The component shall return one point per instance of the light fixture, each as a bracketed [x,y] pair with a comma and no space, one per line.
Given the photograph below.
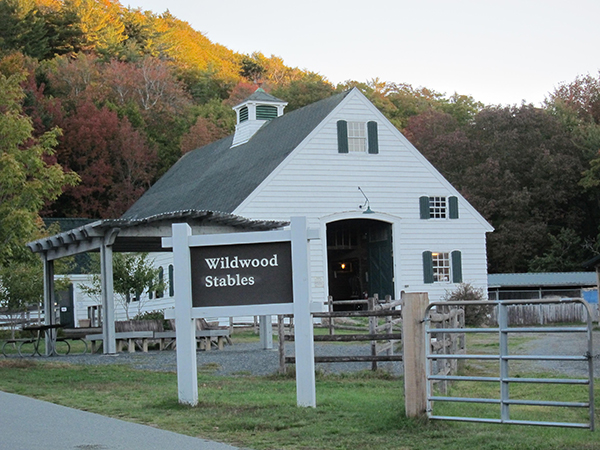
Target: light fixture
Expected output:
[368,210]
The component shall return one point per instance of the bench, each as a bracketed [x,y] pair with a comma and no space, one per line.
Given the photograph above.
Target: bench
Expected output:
[124,337]
[205,339]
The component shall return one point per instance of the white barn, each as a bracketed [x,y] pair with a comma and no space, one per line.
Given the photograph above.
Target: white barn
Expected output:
[389,221]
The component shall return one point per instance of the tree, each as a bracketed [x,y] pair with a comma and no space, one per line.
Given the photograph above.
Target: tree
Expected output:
[133,275]
[520,167]
[21,287]
[27,181]
[203,132]
[252,69]
[115,163]
[302,92]
[22,28]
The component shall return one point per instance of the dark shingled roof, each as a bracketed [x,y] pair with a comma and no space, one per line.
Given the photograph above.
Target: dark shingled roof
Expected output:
[218,178]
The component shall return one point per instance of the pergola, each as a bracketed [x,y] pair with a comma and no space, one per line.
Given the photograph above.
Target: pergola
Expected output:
[127,235]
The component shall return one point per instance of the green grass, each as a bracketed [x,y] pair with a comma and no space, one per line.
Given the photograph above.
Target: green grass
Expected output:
[361,411]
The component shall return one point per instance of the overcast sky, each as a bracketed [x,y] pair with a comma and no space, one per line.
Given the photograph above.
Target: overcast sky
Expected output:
[500,51]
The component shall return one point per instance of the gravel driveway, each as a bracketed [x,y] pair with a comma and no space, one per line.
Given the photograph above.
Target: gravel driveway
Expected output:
[250,359]
[236,359]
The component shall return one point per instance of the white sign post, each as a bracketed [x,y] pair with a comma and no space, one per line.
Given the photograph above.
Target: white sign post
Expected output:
[238,266]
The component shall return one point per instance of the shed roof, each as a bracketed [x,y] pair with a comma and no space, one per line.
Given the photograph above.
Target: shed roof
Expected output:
[217,177]
[142,235]
[551,279]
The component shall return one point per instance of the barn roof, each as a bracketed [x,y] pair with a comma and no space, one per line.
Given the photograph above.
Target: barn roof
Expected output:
[217,177]
[550,279]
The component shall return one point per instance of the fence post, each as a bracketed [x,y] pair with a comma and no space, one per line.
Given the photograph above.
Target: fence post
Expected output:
[281,337]
[413,343]
[330,309]
[373,322]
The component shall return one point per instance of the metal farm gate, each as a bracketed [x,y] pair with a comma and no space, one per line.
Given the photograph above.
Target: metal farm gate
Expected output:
[503,358]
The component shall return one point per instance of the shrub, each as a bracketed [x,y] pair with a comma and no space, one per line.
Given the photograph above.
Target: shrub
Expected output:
[475,315]
[154,315]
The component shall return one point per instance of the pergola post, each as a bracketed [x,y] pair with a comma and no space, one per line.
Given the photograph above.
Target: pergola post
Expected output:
[265,329]
[108,299]
[48,301]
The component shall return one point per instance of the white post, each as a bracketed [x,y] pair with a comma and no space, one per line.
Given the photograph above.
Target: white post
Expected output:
[303,330]
[266,332]
[48,301]
[108,301]
[185,333]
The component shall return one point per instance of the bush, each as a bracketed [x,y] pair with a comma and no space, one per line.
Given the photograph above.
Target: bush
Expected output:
[475,315]
[154,315]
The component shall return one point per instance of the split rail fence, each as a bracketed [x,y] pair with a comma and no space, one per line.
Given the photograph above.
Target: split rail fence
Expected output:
[384,331]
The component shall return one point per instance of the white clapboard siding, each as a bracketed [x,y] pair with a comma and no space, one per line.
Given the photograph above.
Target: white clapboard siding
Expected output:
[318,182]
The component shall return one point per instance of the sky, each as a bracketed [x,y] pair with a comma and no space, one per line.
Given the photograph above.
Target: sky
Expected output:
[498,51]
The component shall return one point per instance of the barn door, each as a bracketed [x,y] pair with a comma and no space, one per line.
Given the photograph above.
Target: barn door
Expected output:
[381,260]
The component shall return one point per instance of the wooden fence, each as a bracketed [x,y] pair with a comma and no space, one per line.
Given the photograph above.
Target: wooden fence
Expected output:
[383,331]
[382,337]
[447,344]
[542,314]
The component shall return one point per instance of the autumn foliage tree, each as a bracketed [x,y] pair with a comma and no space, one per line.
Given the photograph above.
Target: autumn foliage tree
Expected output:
[113,160]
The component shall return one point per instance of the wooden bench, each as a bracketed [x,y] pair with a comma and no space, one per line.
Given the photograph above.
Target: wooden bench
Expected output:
[205,339]
[126,337]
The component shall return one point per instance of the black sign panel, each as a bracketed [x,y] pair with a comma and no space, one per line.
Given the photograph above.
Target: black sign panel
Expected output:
[245,274]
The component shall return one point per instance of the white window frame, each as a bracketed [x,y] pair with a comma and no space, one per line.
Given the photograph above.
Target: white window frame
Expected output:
[357,137]
[442,267]
[438,207]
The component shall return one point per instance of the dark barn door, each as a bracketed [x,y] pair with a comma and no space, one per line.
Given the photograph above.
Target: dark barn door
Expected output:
[360,259]
[381,260]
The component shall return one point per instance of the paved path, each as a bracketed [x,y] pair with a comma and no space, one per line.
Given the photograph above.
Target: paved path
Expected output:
[27,424]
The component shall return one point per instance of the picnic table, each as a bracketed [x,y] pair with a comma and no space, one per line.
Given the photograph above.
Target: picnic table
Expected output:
[37,332]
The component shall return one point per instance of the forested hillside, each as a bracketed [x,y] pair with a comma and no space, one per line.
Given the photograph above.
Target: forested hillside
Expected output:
[126,92]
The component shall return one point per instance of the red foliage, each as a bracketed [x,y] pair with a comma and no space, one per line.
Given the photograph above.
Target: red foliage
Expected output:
[113,160]
[202,133]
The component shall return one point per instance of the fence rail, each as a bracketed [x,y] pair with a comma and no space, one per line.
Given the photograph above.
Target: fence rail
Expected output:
[381,336]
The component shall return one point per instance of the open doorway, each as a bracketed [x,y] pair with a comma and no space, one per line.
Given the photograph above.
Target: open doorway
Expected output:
[360,259]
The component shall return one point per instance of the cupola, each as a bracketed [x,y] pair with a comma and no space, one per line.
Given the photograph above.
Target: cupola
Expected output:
[253,113]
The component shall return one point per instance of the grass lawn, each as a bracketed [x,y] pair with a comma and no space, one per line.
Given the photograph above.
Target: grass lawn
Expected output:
[361,411]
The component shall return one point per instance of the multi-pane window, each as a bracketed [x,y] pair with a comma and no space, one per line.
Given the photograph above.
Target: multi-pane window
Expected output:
[437,207]
[441,267]
[357,137]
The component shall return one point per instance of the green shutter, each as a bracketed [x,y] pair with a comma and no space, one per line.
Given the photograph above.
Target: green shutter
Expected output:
[456,267]
[171,285]
[161,278]
[373,137]
[427,268]
[342,132]
[453,204]
[424,207]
